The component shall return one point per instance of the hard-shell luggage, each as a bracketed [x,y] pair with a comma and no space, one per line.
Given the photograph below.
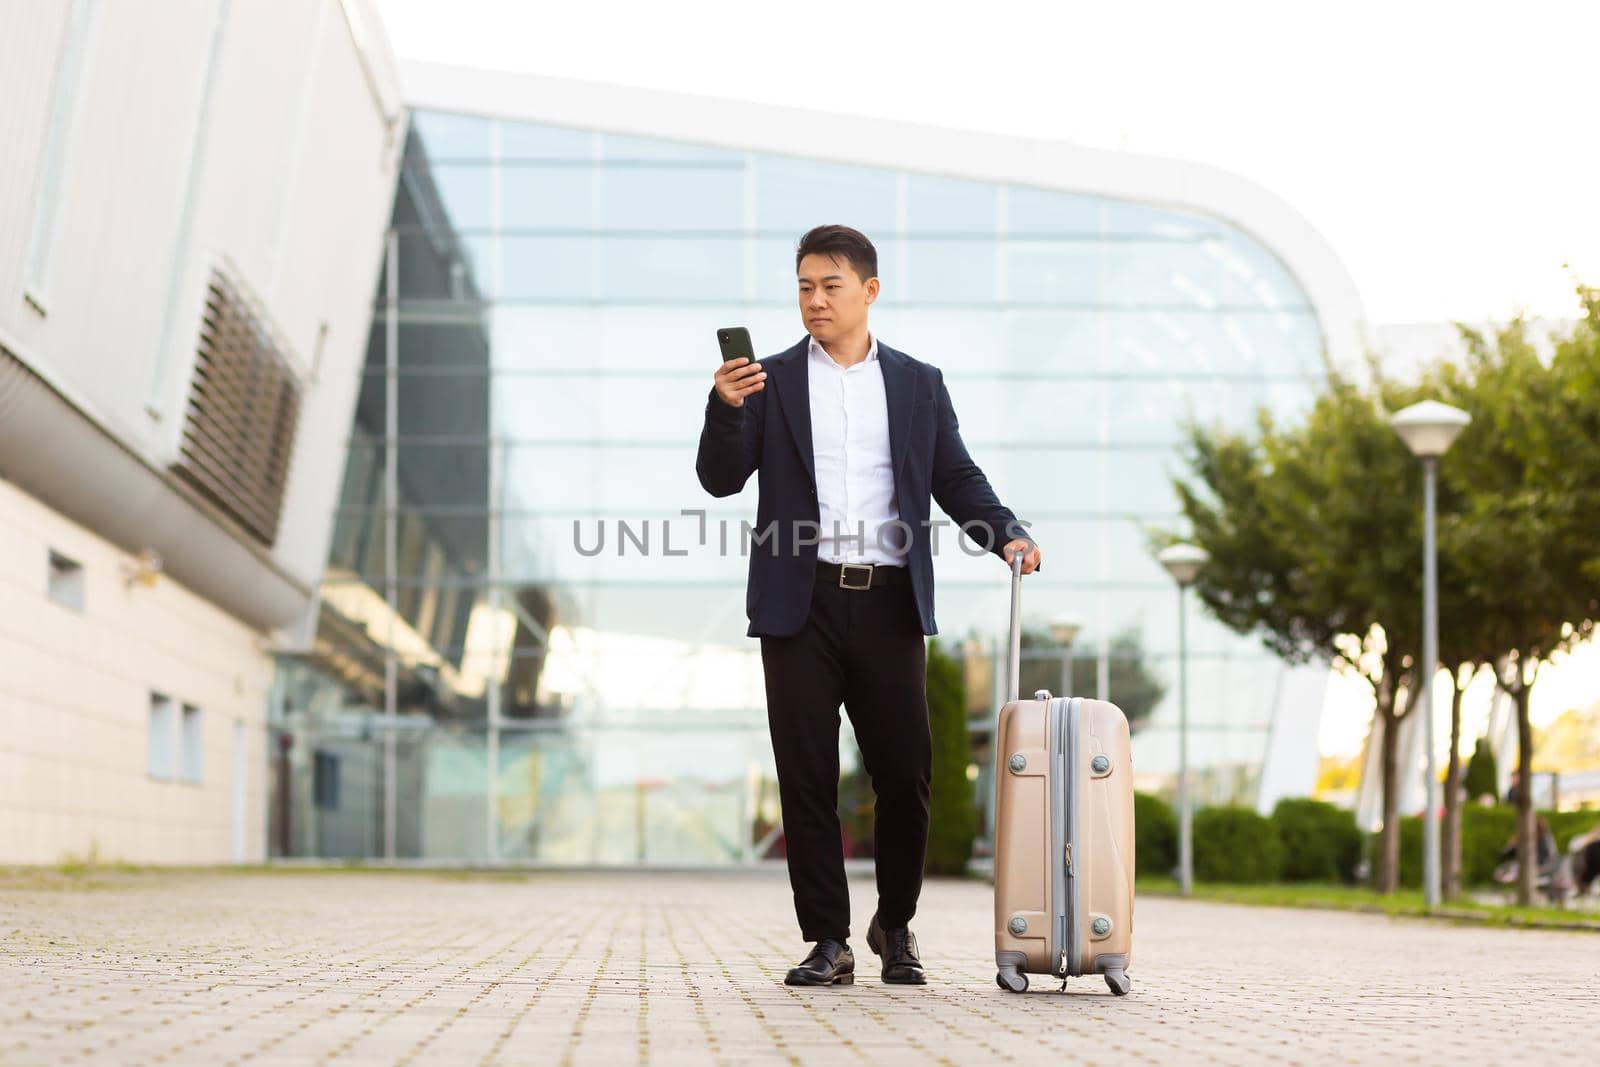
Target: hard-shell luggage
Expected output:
[1063,833]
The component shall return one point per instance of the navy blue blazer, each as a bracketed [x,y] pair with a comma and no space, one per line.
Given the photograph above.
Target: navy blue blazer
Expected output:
[771,434]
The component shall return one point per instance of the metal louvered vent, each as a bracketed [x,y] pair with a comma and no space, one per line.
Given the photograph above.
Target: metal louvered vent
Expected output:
[242,413]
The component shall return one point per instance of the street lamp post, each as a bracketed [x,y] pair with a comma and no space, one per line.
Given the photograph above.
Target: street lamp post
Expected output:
[1065,632]
[1429,429]
[1183,562]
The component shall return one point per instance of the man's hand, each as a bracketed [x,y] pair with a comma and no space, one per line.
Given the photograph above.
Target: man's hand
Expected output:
[1030,561]
[737,379]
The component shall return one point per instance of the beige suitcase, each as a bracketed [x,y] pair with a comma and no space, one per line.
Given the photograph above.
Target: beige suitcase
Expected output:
[1063,851]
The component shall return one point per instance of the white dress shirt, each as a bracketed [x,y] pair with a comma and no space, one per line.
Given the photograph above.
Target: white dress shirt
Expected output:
[850,445]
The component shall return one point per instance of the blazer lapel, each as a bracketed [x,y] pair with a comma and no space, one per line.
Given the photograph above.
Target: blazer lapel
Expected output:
[789,375]
[898,383]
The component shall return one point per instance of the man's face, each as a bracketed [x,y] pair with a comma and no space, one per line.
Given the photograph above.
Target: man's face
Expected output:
[833,298]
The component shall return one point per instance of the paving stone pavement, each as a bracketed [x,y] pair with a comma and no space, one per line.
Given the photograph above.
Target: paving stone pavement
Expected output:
[375,967]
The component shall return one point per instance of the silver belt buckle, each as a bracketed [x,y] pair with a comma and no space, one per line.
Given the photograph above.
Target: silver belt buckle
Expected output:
[845,568]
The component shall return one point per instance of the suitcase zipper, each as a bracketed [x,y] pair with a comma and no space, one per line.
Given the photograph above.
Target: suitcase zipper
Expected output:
[1066,903]
[1070,784]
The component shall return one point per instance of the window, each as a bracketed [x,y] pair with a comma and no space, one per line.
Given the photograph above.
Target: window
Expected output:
[325,780]
[163,738]
[190,749]
[66,581]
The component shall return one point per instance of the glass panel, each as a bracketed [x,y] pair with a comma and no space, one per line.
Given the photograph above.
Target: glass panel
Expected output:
[673,198]
[963,342]
[524,141]
[775,268]
[1059,342]
[661,269]
[1023,409]
[448,136]
[439,264]
[623,339]
[1031,212]
[546,268]
[628,476]
[951,271]
[949,205]
[466,190]
[620,147]
[444,475]
[1053,272]
[1268,280]
[640,404]
[1157,409]
[793,195]
[1140,482]
[546,197]
[633,796]
[456,341]
[1131,218]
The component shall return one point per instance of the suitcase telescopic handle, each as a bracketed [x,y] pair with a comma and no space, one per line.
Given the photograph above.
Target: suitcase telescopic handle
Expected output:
[1014,646]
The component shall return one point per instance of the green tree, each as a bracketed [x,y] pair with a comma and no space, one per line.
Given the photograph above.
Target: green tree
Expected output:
[1525,476]
[953,814]
[1314,533]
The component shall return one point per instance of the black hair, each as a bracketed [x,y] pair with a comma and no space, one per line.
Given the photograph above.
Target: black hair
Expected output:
[840,242]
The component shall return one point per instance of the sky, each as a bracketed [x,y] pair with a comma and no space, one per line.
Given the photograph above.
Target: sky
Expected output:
[1445,151]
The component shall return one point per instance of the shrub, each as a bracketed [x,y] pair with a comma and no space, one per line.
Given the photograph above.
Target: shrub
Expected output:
[1235,845]
[953,812]
[1569,824]
[1155,835]
[1321,842]
[1484,833]
[1482,775]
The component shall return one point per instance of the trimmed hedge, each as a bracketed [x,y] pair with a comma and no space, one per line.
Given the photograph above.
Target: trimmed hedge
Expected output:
[1155,835]
[1321,842]
[953,809]
[1484,833]
[1235,845]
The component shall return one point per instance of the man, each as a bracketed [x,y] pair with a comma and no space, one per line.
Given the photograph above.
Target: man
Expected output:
[849,438]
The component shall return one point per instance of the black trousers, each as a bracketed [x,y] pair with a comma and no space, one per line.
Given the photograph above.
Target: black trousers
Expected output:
[862,649]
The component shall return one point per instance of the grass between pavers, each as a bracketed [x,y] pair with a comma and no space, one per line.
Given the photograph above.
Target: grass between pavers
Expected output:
[1406,902]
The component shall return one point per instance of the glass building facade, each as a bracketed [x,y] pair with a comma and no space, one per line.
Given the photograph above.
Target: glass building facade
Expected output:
[531,640]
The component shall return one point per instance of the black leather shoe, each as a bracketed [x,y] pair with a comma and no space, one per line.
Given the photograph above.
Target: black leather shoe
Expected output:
[898,949]
[830,963]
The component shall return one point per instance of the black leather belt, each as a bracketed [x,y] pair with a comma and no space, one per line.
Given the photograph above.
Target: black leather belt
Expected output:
[861,575]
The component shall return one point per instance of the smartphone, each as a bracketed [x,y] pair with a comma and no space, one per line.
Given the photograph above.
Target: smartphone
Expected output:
[734,342]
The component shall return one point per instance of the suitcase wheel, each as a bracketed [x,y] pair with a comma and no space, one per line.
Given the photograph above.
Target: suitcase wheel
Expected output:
[1012,981]
[1119,982]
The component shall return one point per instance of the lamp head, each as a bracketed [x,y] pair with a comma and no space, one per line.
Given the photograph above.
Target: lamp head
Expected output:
[1429,428]
[1183,561]
[1065,631]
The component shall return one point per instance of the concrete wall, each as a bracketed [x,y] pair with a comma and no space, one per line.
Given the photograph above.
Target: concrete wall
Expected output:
[75,690]
[264,136]
[146,143]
